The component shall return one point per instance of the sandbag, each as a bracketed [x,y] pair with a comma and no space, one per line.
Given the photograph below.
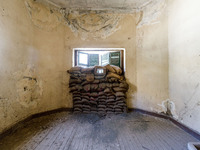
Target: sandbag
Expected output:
[94,94]
[118,89]
[114,75]
[74,70]
[74,81]
[90,77]
[107,90]
[115,84]
[110,68]
[87,70]
[94,87]
[86,87]
[96,81]
[101,93]
[93,99]
[109,85]
[102,86]
[86,97]
[124,85]
[117,69]
[119,94]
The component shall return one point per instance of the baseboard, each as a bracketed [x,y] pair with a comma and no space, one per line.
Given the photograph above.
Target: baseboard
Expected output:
[180,125]
[16,126]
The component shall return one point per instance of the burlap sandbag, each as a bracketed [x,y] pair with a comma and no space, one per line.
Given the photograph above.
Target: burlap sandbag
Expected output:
[77,109]
[85,94]
[94,98]
[102,96]
[87,70]
[94,87]
[109,85]
[85,97]
[74,70]
[107,90]
[118,89]
[101,93]
[94,94]
[110,68]
[115,84]
[90,77]
[114,75]
[121,99]
[96,81]
[93,102]
[73,88]
[123,84]
[119,94]
[117,69]
[76,81]
[102,86]
[86,87]
[111,97]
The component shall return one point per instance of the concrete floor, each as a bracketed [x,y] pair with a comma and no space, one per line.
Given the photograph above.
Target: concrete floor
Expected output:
[66,131]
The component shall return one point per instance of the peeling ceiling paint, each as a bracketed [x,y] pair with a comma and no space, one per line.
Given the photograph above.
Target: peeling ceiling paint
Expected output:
[126,5]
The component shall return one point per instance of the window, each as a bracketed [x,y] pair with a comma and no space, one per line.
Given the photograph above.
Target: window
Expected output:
[88,57]
[83,59]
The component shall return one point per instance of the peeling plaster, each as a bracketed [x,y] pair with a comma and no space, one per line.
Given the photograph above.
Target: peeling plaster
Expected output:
[29,87]
[42,16]
[96,24]
[83,23]
[149,13]
[169,108]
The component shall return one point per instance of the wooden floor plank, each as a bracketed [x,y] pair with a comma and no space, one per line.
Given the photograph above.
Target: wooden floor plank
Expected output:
[64,131]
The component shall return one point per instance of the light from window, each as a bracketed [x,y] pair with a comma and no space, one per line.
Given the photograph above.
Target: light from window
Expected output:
[83,58]
[100,71]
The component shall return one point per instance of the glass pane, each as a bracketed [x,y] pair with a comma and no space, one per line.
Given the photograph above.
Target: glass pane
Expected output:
[93,60]
[83,58]
[105,59]
[115,58]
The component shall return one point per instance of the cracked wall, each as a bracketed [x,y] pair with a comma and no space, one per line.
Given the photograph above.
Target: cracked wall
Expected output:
[31,66]
[184,60]
[35,52]
[37,47]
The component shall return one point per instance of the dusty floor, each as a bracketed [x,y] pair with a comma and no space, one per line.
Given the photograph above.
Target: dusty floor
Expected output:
[66,131]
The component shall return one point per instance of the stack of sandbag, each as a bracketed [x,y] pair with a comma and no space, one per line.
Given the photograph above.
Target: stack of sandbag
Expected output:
[94,92]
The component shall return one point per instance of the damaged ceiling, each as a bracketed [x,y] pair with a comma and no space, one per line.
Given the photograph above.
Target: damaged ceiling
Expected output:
[128,5]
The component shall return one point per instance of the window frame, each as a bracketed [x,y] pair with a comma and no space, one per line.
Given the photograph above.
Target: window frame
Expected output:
[121,50]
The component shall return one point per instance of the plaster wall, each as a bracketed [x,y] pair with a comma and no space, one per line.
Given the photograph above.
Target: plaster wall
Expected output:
[152,57]
[36,50]
[184,60]
[31,65]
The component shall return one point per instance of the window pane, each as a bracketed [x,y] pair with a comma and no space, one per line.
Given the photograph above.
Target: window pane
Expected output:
[93,60]
[83,58]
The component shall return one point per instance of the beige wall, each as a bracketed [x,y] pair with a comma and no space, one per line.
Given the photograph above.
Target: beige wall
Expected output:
[31,65]
[152,58]
[37,46]
[36,51]
[184,60]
